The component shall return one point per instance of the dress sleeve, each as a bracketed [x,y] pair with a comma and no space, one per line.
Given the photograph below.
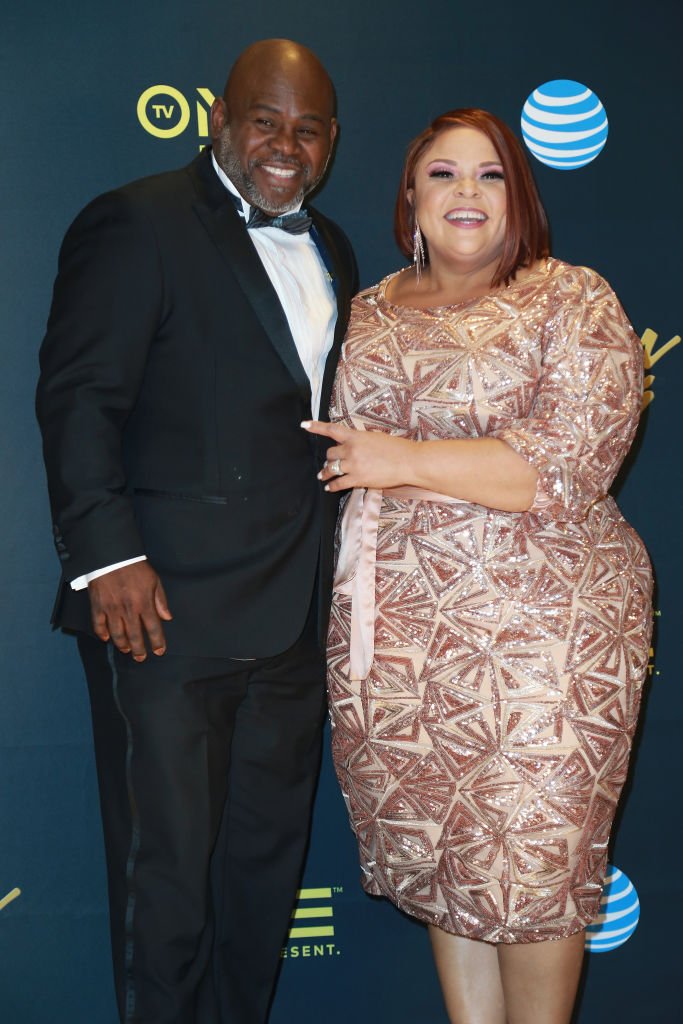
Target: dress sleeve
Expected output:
[586,409]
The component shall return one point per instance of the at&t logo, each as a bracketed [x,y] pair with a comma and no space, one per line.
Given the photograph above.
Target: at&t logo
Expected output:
[564,124]
[165,112]
[619,914]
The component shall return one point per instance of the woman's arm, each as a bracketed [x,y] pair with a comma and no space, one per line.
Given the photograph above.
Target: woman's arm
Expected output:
[482,470]
[556,461]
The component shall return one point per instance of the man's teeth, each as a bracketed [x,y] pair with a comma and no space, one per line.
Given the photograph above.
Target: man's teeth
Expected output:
[466,215]
[280,172]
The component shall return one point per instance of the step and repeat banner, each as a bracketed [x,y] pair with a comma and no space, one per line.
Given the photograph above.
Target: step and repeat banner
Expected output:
[96,94]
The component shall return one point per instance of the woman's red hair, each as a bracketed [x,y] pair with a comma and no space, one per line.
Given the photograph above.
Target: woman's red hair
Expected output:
[526,232]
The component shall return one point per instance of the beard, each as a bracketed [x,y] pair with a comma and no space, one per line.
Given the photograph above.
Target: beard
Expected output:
[244,182]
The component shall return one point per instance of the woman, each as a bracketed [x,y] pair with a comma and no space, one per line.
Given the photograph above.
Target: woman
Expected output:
[491,625]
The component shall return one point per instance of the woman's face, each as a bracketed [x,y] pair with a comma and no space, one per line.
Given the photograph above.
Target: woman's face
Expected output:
[460,199]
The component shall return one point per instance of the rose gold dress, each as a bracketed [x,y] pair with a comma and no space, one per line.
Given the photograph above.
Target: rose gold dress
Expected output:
[482,757]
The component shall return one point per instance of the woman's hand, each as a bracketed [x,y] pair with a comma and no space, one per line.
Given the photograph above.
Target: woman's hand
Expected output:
[363,458]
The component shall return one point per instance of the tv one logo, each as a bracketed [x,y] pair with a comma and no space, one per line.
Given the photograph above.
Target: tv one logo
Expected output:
[165,112]
[619,914]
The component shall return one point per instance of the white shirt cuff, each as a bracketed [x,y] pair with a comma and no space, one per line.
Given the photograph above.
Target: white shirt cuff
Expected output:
[81,582]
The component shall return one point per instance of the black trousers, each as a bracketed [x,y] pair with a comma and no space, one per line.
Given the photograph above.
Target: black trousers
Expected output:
[207,770]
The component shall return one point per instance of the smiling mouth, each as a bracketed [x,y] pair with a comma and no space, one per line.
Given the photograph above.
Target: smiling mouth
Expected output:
[467,218]
[278,171]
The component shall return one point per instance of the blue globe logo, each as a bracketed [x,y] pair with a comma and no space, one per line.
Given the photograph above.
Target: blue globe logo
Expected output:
[564,124]
[619,913]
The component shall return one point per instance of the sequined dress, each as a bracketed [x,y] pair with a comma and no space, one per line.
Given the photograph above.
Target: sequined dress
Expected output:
[482,757]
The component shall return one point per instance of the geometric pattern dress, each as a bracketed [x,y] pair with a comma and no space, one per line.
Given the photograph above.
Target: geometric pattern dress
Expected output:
[482,750]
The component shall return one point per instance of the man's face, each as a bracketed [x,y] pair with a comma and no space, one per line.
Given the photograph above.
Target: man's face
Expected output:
[275,139]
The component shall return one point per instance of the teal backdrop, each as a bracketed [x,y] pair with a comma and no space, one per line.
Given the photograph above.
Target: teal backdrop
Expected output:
[74,125]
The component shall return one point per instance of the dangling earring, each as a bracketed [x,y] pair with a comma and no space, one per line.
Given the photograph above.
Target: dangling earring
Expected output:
[418,251]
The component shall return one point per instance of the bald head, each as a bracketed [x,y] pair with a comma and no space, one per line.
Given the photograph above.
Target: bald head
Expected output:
[274,126]
[282,59]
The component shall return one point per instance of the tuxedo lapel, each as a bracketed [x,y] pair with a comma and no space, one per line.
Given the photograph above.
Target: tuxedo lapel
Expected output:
[228,232]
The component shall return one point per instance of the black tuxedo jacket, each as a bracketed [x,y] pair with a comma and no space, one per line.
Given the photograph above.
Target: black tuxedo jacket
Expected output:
[170,399]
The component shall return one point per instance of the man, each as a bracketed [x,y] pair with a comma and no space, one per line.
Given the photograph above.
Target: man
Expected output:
[183,350]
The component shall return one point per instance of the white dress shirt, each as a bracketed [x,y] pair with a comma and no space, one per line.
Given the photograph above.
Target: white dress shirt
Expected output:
[304,288]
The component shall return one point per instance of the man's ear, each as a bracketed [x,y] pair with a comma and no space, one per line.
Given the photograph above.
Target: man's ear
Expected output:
[219,116]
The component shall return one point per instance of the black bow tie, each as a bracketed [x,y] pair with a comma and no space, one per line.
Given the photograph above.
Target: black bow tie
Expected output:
[297,223]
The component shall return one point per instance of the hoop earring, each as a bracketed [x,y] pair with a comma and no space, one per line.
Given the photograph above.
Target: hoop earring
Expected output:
[418,252]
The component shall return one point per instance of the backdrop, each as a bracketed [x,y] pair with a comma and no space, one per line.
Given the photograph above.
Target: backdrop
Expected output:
[95,94]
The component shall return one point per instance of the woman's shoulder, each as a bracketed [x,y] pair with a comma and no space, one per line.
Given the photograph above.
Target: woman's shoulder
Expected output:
[582,279]
[581,292]
[375,292]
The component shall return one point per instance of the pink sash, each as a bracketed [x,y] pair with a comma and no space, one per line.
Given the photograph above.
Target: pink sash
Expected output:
[355,575]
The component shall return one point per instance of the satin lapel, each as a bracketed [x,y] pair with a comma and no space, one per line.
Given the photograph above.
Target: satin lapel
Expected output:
[227,230]
[341,286]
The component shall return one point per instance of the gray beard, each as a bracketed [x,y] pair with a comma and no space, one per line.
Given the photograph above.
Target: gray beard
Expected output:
[244,182]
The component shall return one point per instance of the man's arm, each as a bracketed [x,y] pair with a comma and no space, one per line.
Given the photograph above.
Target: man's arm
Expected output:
[106,307]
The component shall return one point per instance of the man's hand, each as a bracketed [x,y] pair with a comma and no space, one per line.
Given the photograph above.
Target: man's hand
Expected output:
[128,603]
